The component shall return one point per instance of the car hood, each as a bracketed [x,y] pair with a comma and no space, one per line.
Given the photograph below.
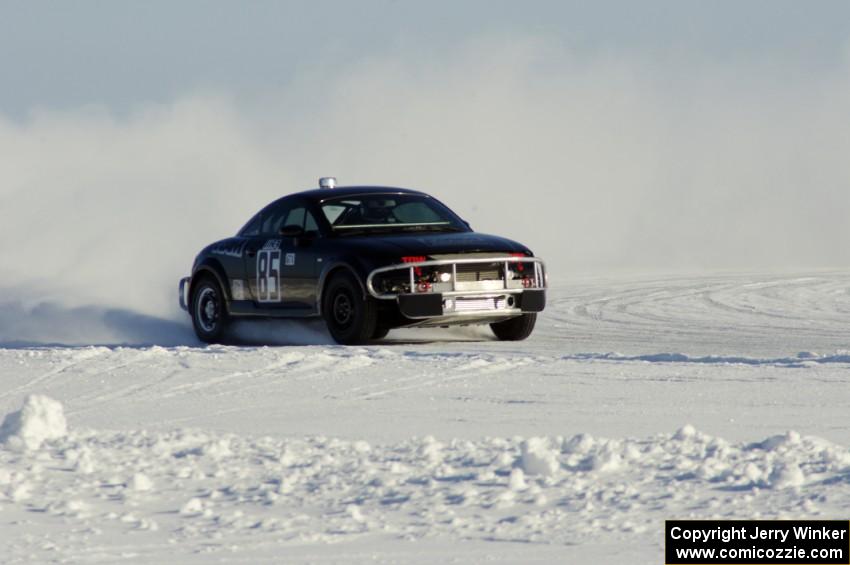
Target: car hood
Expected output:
[399,245]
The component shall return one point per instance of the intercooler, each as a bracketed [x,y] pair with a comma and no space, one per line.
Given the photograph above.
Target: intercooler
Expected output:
[479,304]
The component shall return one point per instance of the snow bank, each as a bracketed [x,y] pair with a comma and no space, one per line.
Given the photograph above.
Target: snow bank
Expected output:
[40,419]
[202,486]
[538,458]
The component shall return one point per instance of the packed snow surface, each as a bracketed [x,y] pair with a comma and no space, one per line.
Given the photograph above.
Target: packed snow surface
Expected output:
[635,401]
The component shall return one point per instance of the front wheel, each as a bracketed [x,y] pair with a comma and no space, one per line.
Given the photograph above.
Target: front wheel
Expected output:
[515,329]
[209,313]
[351,318]
[380,332]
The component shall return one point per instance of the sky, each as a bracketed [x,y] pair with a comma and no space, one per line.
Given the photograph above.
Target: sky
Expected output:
[121,54]
[640,137]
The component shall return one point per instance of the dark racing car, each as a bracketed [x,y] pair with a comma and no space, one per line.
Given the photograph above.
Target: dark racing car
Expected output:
[367,260]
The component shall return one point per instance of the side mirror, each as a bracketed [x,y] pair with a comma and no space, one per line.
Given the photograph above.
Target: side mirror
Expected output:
[292,230]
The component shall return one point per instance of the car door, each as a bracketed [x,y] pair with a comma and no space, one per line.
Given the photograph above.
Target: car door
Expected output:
[299,269]
[264,256]
[281,269]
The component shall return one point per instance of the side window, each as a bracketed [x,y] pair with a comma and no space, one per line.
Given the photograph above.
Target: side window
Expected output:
[252,228]
[310,224]
[283,215]
[295,217]
[273,220]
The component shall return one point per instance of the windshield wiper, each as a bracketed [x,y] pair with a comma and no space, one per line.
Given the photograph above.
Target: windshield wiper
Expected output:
[433,228]
[390,228]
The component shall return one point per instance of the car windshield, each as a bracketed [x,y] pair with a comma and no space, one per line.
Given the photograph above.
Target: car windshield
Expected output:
[368,213]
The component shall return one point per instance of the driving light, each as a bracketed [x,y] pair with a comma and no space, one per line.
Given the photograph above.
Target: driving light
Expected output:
[519,266]
[445,277]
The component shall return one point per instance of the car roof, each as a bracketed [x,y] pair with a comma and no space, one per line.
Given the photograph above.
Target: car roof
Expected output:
[342,191]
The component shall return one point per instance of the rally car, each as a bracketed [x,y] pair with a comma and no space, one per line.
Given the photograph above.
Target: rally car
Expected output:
[366,259]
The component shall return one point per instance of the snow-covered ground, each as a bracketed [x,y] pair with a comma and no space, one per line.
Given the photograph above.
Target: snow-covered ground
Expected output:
[636,400]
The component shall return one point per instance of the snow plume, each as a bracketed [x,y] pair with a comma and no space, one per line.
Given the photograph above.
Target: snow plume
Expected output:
[116,208]
[280,332]
[617,162]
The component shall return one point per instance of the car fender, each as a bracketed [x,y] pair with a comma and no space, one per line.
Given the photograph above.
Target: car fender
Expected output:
[334,266]
[212,267]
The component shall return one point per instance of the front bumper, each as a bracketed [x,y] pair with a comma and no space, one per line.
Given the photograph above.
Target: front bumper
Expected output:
[182,297]
[467,302]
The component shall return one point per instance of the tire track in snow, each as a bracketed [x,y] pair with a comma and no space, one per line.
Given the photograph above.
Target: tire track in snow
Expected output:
[143,355]
[94,402]
[44,378]
[281,366]
[475,366]
[237,376]
[312,369]
[134,390]
[725,312]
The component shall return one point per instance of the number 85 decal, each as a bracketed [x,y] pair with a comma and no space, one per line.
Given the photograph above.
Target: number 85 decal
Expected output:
[268,276]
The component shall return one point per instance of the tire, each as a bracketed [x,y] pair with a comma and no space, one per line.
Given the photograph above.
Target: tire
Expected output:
[351,319]
[380,332]
[209,312]
[515,329]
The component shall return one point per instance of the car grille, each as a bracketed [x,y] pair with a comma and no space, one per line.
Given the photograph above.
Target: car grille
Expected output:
[479,272]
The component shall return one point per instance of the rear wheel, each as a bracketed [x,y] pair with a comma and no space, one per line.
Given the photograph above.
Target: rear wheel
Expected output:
[515,329]
[209,313]
[351,319]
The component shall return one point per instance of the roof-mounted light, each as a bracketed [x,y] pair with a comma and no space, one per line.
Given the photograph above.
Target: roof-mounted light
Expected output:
[327,182]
